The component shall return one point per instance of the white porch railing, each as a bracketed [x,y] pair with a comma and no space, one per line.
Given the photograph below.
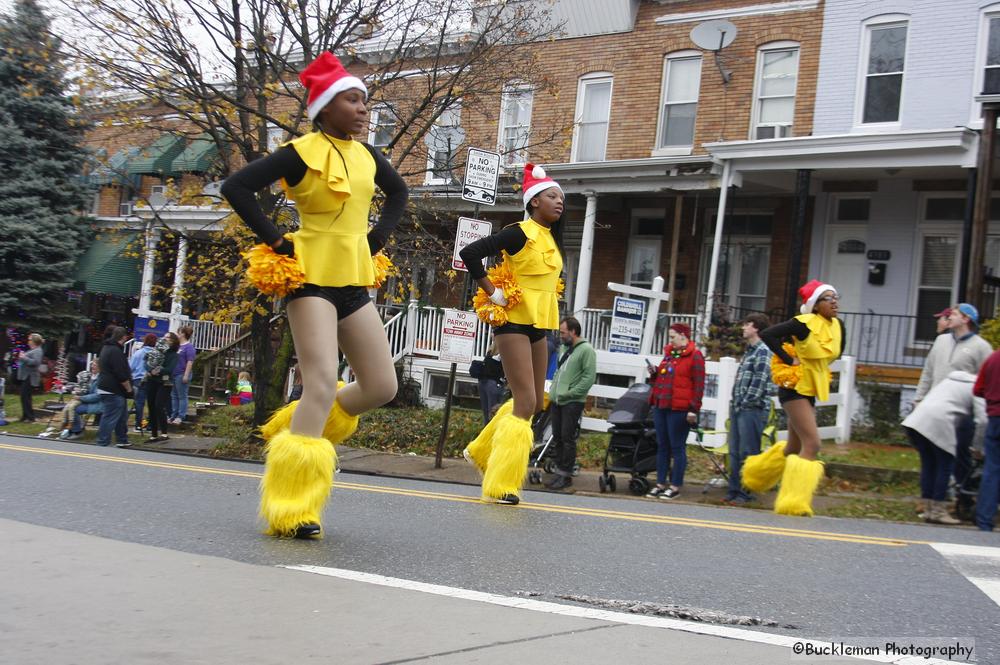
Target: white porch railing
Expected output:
[596,324]
[209,336]
[417,331]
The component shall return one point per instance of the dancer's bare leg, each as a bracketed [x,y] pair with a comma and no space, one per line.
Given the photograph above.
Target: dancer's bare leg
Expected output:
[517,357]
[540,365]
[803,435]
[364,342]
[314,330]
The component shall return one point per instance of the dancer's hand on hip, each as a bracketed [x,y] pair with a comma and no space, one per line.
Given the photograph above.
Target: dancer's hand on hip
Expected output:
[498,297]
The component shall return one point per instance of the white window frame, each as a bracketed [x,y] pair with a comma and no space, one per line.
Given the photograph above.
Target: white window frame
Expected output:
[674,150]
[456,108]
[375,117]
[517,157]
[585,81]
[876,23]
[758,84]
[979,74]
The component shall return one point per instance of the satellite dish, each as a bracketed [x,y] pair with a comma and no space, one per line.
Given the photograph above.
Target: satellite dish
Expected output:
[713,35]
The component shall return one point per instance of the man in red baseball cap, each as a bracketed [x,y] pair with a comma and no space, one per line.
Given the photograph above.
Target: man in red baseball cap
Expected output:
[942,320]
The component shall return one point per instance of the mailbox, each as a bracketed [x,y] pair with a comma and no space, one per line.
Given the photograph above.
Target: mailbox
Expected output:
[876,274]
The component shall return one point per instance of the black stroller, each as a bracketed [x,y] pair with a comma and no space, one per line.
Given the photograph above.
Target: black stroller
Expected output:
[540,458]
[632,447]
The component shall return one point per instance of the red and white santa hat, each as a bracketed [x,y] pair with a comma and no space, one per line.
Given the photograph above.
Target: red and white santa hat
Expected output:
[536,181]
[325,78]
[810,293]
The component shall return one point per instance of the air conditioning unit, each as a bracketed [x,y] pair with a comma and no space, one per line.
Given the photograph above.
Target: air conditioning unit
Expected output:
[158,189]
[213,189]
[773,131]
[125,209]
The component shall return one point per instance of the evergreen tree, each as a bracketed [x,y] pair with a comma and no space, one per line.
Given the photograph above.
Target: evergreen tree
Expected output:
[42,233]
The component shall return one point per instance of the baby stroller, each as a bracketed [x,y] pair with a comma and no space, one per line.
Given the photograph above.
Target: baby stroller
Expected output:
[967,491]
[540,458]
[632,446]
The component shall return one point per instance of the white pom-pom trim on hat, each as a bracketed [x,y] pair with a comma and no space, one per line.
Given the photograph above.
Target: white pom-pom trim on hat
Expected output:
[538,173]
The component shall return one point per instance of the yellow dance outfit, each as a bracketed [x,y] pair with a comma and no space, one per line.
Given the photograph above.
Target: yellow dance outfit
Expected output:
[817,341]
[502,448]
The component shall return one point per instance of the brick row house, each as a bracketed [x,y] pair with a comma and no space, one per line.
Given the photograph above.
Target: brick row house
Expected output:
[839,140]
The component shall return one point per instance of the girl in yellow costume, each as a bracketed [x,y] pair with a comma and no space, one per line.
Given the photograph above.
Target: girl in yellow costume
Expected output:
[534,258]
[818,338]
[332,180]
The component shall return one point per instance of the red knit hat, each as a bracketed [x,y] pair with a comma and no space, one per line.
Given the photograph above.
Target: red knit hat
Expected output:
[536,181]
[682,328]
[325,78]
[810,293]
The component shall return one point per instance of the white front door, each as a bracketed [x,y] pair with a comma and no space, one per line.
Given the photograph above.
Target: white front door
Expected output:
[845,264]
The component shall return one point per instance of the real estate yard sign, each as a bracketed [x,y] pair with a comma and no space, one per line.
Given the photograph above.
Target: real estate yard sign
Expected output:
[626,325]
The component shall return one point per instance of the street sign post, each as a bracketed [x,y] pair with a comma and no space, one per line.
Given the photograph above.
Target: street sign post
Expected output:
[469,231]
[626,325]
[482,172]
[458,345]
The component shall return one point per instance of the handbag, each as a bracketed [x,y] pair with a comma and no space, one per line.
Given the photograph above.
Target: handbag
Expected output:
[476,368]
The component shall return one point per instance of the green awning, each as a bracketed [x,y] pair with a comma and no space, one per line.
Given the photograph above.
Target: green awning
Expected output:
[157,157]
[197,157]
[115,170]
[103,268]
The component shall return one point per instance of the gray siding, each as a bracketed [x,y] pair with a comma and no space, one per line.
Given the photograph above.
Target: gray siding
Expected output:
[940,62]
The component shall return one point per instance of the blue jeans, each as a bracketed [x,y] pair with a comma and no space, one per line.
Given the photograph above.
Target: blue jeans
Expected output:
[114,417]
[140,400]
[179,399]
[745,431]
[77,425]
[489,397]
[671,445]
[936,466]
[989,488]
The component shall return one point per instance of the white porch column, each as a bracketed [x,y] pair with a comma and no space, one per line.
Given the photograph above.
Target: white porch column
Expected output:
[713,272]
[148,266]
[586,255]
[176,303]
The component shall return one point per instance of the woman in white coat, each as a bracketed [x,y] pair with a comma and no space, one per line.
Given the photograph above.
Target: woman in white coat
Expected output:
[931,428]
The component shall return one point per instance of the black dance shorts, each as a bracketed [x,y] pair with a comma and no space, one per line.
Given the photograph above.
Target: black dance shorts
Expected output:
[346,299]
[789,394]
[534,334]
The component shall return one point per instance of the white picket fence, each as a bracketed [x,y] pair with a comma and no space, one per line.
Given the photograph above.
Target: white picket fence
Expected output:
[416,331]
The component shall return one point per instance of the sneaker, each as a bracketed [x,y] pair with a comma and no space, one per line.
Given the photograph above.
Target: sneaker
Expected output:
[123,445]
[64,434]
[559,483]
[137,429]
[308,531]
[656,491]
[669,493]
[508,500]
[73,436]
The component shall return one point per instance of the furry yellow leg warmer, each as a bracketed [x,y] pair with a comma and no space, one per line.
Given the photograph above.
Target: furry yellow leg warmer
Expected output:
[478,452]
[798,483]
[508,461]
[298,475]
[762,472]
[339,424]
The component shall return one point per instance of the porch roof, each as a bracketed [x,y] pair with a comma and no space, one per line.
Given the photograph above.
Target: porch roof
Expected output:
[645,175]
[955,146]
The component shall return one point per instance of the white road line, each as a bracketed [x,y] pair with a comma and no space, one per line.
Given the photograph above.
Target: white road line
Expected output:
[596,614]
[979,565]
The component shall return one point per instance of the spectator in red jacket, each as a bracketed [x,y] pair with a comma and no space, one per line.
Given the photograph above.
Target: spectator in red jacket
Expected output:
[987,386]
[678,388]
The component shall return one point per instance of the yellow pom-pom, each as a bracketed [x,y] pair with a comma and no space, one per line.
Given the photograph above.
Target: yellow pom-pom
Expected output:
[785,376]
[274,274]
[503,278]
[383,269]
[488,311]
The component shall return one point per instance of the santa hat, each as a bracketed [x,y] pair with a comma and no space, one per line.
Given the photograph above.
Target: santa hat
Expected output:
[325,78]
[810,293]
[536,182]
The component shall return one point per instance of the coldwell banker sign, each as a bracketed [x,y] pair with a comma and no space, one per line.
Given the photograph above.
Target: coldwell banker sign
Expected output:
[626,325]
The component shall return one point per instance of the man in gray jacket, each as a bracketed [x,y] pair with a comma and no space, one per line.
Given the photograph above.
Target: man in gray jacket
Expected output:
[959,349]
[575,374]
[29,374]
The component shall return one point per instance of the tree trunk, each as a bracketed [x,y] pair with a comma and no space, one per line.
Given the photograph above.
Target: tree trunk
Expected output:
[272,354]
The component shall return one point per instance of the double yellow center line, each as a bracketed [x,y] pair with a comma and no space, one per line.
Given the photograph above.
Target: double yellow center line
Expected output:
[544,507]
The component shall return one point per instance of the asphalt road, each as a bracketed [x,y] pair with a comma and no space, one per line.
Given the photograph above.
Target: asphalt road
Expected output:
[818,578]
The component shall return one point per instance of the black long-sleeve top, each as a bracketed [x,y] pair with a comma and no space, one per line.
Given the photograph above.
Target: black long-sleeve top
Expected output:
[510,239]
[114,369]
[776,335]
[241,188]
